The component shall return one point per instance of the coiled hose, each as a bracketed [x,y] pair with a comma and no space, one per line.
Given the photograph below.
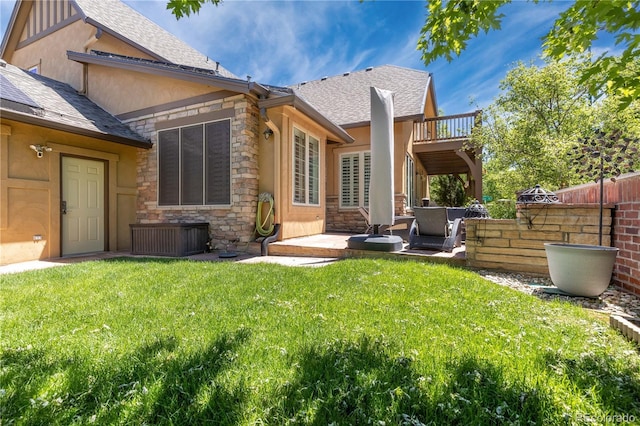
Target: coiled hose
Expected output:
[265,197]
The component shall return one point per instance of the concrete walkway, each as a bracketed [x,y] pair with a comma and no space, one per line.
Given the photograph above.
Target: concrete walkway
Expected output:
[312,251]
[205,257]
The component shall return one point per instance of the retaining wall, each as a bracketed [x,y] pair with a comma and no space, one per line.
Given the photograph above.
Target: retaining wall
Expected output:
[518,245]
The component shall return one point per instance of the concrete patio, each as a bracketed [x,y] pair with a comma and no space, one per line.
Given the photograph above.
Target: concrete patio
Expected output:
[315,250]
[334,245]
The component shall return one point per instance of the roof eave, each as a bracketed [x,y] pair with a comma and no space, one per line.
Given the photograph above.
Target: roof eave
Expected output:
[120,37]
[9,30]
[430,86]
[411,117]
[37,121]
[238,86]
[307,109]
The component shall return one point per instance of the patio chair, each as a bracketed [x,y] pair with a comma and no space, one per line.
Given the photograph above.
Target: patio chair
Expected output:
[455,212]
[458,212]
[432,230]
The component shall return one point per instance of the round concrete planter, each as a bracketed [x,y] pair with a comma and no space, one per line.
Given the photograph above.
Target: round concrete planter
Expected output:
[581,270]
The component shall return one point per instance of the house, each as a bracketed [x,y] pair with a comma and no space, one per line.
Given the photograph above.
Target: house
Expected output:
[174,137]
[57,145]
[344,99]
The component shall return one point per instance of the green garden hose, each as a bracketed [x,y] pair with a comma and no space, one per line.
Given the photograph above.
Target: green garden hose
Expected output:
[265,197]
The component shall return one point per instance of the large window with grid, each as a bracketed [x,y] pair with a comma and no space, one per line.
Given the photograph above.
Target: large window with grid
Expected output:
[306,168]
[194,165]
[355,175]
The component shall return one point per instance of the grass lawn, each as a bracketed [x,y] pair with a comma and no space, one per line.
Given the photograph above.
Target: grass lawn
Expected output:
[131,341]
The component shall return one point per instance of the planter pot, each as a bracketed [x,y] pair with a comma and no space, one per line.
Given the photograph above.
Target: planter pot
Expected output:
[581,270]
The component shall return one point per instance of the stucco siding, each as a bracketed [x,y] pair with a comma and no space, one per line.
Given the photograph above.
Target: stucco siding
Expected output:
[300,220]
[121,91]
[50,54]
[30,190]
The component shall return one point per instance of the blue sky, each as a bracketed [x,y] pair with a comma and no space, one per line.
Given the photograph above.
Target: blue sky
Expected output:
[287,42]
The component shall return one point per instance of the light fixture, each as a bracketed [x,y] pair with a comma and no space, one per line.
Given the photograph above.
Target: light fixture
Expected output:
[267,134]
[40,149]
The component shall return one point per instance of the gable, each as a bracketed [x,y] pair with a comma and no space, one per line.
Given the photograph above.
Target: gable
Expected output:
[109,24]
[46,17]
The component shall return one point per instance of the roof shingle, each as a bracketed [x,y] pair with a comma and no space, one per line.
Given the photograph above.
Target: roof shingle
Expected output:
[126,22]
[59,103]
[345,99]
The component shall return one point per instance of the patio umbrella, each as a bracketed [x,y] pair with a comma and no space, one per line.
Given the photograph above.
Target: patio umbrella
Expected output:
[381,203]
[381,184]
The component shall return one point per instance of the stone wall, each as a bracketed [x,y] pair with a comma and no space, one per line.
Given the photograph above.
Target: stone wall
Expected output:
[625,194]
[350,220]
[518,245]
[227,223]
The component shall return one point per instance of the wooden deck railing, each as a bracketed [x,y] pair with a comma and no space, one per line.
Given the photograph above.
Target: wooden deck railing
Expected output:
[446,128]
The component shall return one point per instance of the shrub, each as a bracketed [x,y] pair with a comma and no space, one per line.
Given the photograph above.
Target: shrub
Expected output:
[502,209]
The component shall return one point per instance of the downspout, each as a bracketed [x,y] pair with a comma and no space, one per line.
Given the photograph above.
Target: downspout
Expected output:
[276,180]
[85,67]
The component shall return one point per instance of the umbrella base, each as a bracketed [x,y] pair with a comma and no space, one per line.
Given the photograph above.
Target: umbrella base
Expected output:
[375,242]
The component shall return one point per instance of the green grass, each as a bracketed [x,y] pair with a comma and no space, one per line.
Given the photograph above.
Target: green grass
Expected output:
[133,341]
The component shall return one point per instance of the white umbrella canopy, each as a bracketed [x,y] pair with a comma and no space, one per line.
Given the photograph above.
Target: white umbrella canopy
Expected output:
[381,184]
[381,203]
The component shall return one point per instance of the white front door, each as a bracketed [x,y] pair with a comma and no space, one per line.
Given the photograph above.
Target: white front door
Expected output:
[83,206]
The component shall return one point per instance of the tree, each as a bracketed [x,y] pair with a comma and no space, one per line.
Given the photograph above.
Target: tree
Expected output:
[530,129]
[531,126]
[450,24]
[181,8]
[447,190]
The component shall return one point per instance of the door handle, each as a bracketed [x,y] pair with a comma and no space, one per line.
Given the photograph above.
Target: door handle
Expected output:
[63,207]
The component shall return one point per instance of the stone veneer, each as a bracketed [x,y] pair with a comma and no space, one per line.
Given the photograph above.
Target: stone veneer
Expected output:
[350,220]
[233,223]
[518,245]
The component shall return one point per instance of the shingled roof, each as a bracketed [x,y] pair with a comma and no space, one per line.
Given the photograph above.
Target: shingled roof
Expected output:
[345,99]
[39,100]
[121,21]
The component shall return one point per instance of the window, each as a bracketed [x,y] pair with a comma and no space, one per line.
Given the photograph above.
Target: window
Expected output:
[355,175]
[194,165]
[410,181]
[306,168]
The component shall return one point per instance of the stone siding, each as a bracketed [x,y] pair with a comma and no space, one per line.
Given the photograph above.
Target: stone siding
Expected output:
[227,223]
[518,245]
[350,220]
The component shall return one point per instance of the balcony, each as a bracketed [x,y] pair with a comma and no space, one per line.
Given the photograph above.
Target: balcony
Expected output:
[446,128]
[439,144]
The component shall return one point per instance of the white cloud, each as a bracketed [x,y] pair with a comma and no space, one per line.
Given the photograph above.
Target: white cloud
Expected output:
[287,42]
[275,42]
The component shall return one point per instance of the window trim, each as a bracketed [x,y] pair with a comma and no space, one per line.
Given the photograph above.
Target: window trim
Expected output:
[308,135]
[203,124]
[362,177]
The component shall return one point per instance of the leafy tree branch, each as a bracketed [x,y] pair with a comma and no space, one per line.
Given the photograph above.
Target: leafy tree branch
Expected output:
[451,24]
